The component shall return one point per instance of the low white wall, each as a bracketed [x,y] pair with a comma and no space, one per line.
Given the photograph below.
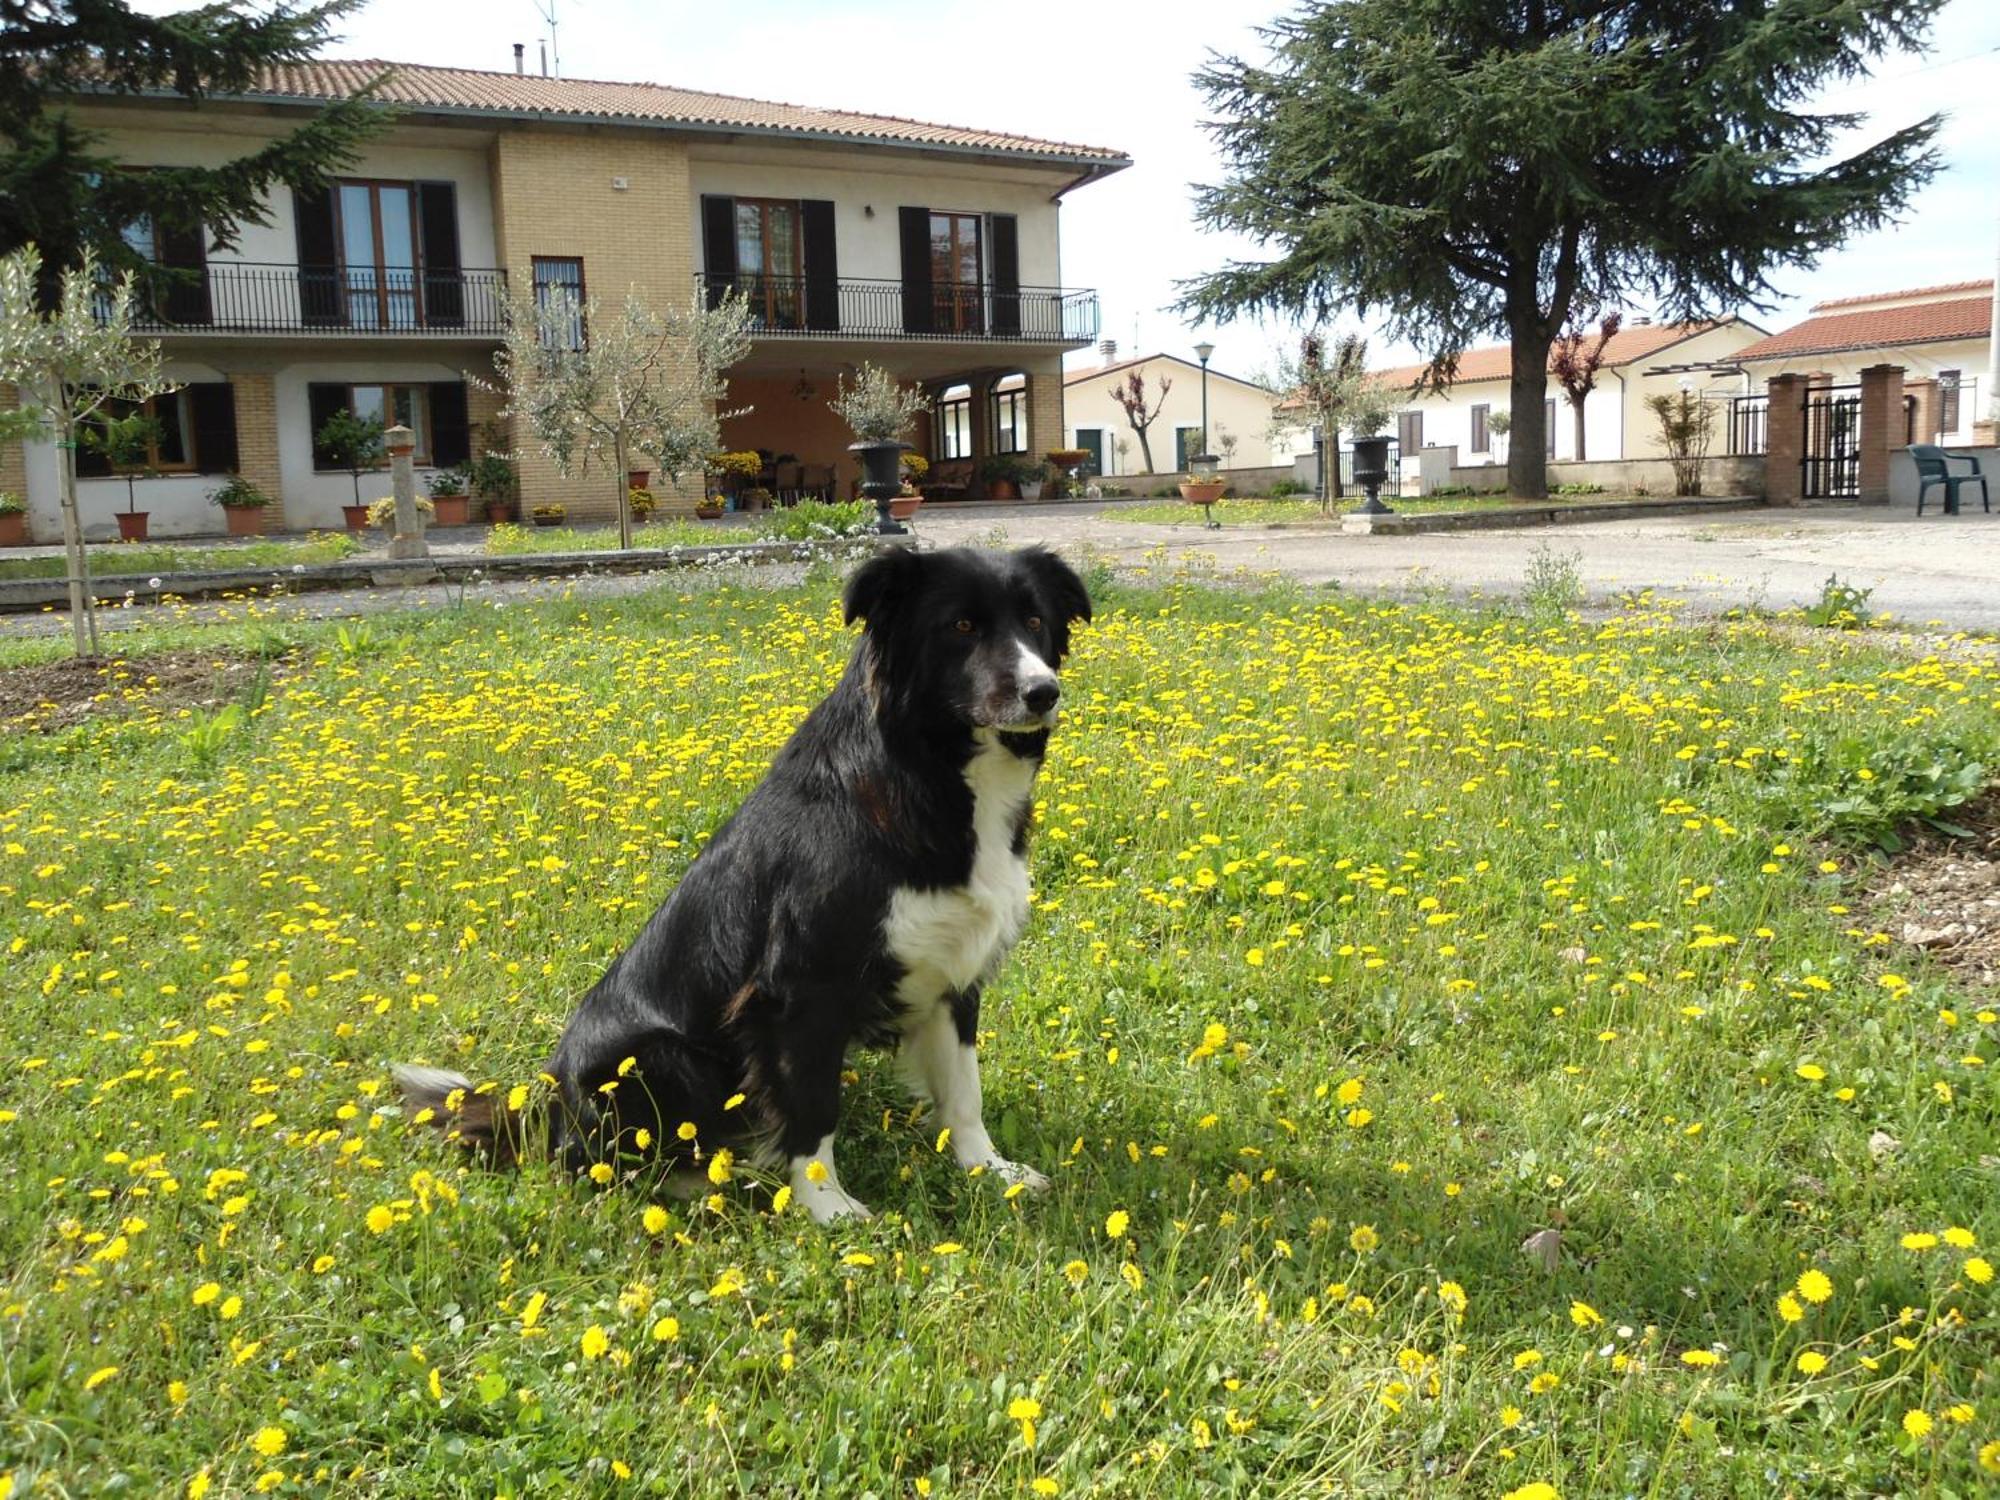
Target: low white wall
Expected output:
[1903,479]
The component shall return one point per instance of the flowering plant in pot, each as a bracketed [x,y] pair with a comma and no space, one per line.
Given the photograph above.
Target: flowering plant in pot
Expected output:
[243,505]
[355,444]
[1003,474]
[127,445]
[643,504]
[450,498]
[548,515]
[710,507]
[13,520]
[878,409]
[381,514]
[905,502]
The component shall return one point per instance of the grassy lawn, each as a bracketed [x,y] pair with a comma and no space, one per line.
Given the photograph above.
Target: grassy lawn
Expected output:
[1371,942]
[807,521]
[1252,511]
[177,557]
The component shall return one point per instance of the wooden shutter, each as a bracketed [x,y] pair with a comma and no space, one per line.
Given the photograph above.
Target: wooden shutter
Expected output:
[443,289]
[183,254]
[1409,432]
[919,308]
[1007,276]
[320,300]
[822,265]
[1480,443]
[718,245]
[451,433]
[213,407]
[322,401]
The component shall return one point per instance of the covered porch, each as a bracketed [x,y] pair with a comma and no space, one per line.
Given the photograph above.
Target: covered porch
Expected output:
[991,407]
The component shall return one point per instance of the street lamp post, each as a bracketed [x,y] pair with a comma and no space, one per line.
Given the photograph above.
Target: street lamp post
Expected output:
[1203,352]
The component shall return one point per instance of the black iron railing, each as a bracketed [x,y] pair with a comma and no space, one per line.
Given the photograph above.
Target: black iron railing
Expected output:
[259,297]
[859,307]
[1830,460]
[1748,420]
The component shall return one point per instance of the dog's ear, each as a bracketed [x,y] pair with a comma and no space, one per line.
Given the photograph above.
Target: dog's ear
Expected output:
[879,584]
[1063,593]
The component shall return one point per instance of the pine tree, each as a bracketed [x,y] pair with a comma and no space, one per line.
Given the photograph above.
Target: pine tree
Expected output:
[62,194]
[1458,168]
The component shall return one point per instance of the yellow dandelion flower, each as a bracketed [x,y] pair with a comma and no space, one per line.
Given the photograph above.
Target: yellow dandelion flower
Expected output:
[947,1247]
[595,1342]
[1979,1269]
[381,1219]
[197,1487]
[1134,1277]
[1811,1072]
[1363,1240]
[1701,1359]
[1811,1362]
[1989,1457]
[1814,1286]
[269,1442]
[323,1263]
[1075,1271]
[1539,1490]
[1349,1093]
[1545,1382]
[719,1166]
[1959,1238]
[857,1258]
[1919,1241]
[601,1173]
[206,1293]
[1510,1416]
[1584,1315]
[655,1219]
[666,1330]
[1789,1309]
[1917,1422]
[1115,1224]
[531,1311]
[782,1199]
[97,1377]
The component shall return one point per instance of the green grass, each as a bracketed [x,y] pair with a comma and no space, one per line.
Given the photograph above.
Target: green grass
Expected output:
[1370,941]
[1251,511]
[806,521]
[126,558]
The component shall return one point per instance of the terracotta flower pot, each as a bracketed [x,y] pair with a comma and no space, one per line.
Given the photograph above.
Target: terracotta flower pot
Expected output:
[1002,489]
[14,529]
[902,507]
[245,520]
[709,512]
[635,479]
[132,525]
[498,512]
[356,517]
[451,510]
[1203,492]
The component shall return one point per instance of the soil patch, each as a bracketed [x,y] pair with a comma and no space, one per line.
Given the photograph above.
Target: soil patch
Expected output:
[56,695]
[1943,894]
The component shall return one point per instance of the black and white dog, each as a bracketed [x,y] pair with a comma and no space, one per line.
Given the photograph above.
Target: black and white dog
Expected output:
[863,893]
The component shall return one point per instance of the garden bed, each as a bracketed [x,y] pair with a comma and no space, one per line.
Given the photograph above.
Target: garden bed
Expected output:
[122,559]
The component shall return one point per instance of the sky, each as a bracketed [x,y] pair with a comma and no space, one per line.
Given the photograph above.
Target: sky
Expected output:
[1118,73]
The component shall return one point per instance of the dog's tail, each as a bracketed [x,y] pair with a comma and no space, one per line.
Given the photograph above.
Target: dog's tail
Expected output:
[480,1118]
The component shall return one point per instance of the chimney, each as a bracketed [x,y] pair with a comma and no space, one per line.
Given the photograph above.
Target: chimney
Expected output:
[520,58]
[1108,351]
[545,59]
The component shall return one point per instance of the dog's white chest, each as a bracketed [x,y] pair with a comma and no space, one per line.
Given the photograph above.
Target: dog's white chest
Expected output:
[954,939]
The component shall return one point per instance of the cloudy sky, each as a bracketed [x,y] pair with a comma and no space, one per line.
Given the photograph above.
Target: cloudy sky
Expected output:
[1116,73]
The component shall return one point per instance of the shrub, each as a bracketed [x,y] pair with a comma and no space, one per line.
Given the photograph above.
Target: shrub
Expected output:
[447,482]
[239,494]
[876,407]
[382,514]
[812,520]
[641,502]
[1840,606]
[11,504]
[1579,488]
[1284,489]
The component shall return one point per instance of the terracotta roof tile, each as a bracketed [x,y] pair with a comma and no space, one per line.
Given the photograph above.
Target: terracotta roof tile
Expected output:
[418,86]
[1495,362]
[1881,327]
[1915,291]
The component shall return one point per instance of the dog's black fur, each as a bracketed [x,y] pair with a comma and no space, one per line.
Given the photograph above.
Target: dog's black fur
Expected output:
[771,958]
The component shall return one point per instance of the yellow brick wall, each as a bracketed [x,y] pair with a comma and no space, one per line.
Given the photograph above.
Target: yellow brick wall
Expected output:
[553,194]
[257,441]
[1046,430]
[13,462]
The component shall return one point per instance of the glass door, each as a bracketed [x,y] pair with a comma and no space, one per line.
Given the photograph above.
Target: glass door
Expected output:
[378,246]
[958,273]
[768,274]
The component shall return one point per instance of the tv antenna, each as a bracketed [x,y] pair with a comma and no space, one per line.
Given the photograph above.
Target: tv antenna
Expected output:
[552,60]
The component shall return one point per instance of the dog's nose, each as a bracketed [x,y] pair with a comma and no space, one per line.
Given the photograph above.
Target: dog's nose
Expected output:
[1041,697]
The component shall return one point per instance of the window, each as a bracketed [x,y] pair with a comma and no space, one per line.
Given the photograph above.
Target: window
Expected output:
[769,261]
[560,277]
[197,434]
[1187,444]
[1948,383]
[957,273]
[1409,433]
[1549,426]
[954,423]
[378,248]
[1481,443]
[379,254]
[1091,441]
[170,445]
[1010,414]
[435,413]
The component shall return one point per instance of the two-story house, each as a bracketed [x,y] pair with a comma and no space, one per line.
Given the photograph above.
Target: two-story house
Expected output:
[932,250]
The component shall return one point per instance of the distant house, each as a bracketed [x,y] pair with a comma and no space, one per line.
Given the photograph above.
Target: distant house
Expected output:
[1938,334]
[1616,422]
[1237,408]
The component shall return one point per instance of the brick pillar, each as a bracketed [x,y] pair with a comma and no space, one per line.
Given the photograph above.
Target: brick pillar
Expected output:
[1784,439]
[257,440]
[1882,429]
[982,429]
[13,459]
[1926,426]
[1046,428]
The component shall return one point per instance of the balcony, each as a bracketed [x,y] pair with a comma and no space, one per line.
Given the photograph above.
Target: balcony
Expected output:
[869,308]
[326,301]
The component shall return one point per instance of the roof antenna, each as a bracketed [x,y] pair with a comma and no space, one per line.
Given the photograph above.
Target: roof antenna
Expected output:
[547,10]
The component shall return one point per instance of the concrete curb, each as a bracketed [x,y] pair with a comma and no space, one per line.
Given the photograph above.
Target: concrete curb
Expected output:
[1559,513]
[36,593]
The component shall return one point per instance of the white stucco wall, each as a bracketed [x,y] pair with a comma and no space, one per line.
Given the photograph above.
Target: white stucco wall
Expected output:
[313,500]
[1241,408]
[866,194]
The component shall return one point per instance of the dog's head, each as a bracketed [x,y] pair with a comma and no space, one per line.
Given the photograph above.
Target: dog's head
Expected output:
[973,637]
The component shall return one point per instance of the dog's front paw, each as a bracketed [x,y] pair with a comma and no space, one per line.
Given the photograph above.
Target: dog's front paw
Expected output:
[831,1206]
[1015,1173]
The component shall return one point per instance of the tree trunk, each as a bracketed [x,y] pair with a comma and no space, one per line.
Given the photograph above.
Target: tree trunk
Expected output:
[82,608]
[1528,436]
[1145,447]
[1578,406]
[1333,457]
[624,498]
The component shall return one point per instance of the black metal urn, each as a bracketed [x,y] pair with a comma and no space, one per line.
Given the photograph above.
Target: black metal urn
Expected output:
[882,479]
[1371,468]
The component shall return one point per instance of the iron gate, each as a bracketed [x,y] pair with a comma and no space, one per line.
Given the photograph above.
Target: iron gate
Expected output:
[1830,465]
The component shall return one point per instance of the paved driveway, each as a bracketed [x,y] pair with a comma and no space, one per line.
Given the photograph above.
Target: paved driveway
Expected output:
[1943,569]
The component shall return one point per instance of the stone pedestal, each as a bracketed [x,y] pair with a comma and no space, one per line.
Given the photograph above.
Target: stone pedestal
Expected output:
[409,538]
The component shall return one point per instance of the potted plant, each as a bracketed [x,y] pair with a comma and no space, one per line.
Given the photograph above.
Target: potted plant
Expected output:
[643,504]
[1202,489]
[1067,461]
[13,520]
[382,514]
[905,502]
[878,409]
[728,471]
[710,507]
[915,468]
[1003,475]
[355,444]
[638,479]
[243,505]
[755,498]
[449,497]
[127,445]
[548,515]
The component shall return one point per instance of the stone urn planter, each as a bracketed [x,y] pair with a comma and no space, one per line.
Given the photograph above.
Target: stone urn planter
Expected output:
[356,517]
[1371,468]
[882,479]
[132,525]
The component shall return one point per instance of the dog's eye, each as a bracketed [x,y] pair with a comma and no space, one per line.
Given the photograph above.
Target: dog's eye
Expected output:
[1034,622]
[964,627]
